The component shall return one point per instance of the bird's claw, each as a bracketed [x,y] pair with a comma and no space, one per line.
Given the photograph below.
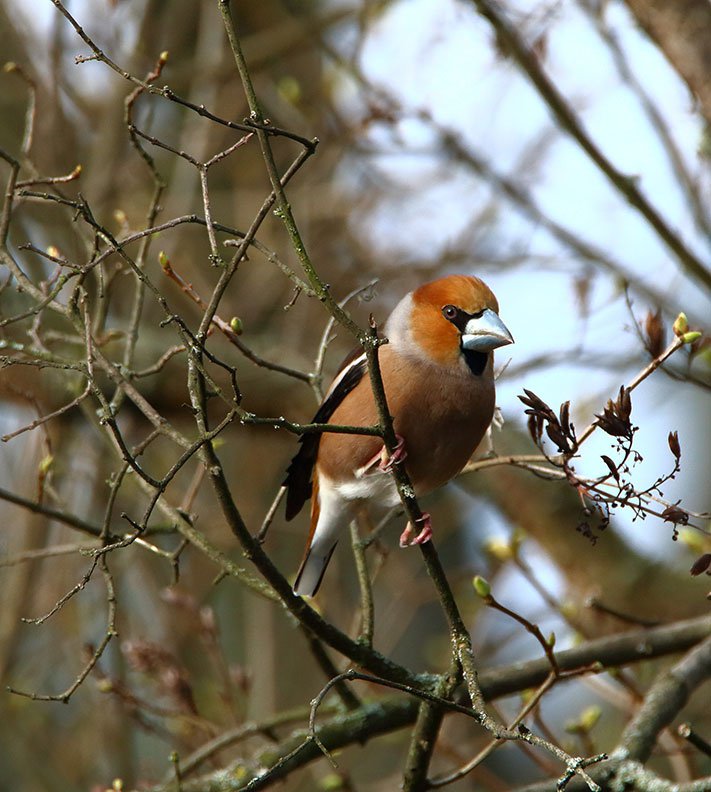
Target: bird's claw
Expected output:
[424,535]
[399,455]
[383,461]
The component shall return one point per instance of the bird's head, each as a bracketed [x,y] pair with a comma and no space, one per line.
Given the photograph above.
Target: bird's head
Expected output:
[449,321]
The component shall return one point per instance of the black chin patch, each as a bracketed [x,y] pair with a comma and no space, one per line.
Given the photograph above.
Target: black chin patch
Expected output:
[475,360]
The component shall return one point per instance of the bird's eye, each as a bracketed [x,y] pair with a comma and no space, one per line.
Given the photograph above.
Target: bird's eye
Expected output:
[449,312]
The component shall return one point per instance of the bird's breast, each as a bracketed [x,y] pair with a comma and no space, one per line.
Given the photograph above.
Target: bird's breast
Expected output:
[441,415]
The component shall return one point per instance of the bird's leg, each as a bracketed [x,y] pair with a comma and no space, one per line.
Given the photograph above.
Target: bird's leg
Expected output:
[425,534]
[383,461]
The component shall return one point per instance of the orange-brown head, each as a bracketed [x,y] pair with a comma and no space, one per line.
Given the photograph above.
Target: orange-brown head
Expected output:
[451,321]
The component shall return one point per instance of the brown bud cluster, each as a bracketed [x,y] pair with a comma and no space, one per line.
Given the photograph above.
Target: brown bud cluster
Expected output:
[615,418]
[558,427]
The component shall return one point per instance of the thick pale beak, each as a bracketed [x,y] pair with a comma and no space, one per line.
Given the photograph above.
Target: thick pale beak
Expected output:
[485,333]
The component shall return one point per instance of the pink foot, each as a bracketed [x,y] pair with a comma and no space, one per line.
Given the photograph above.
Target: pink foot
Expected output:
[398,456]
[425,534]
[383,462]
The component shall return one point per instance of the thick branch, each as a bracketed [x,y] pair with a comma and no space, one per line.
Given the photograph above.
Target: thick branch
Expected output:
[391,714]
[665,700]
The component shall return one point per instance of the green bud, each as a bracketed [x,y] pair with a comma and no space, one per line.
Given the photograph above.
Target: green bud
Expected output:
[589,717]
[239,772]
[45,464]
[499,548]
[689,338]
[289,88]
[681,324]
[551,640]
[481,586]
[163,260]
[331,783]
[693,540]
[236,325]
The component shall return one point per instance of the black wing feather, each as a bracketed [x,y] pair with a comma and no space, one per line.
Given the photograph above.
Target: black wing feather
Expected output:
[298,481]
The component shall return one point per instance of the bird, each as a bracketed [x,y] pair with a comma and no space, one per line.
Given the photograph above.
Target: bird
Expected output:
[438,374]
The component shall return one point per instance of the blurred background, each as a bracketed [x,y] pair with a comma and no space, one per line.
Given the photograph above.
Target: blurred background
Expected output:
[435,155]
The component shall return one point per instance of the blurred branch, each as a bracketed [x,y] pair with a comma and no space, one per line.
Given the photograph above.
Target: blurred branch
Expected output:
[662,703]
[96,654]
[262,127]
[610,651]
[53,514]
[568,120]
[452,143]
[656,117]
[525,202]
[682,30]
[31,111]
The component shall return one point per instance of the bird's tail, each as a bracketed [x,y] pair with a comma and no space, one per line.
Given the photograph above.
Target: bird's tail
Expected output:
[327,516]
[310,574]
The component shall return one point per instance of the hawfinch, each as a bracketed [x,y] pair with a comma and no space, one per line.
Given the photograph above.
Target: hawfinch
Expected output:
[438,374]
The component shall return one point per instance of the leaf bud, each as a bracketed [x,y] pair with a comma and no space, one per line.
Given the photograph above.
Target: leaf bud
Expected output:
[589,717]
[45,464]
[690,337]
[681,324]
[499,548]
[481,586]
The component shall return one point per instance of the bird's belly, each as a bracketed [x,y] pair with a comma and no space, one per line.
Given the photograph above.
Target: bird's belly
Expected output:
[376,486]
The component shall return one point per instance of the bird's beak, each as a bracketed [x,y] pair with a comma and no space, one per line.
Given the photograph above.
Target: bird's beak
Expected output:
[485,333]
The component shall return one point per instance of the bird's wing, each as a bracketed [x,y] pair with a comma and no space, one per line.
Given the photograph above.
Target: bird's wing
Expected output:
[300,471]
